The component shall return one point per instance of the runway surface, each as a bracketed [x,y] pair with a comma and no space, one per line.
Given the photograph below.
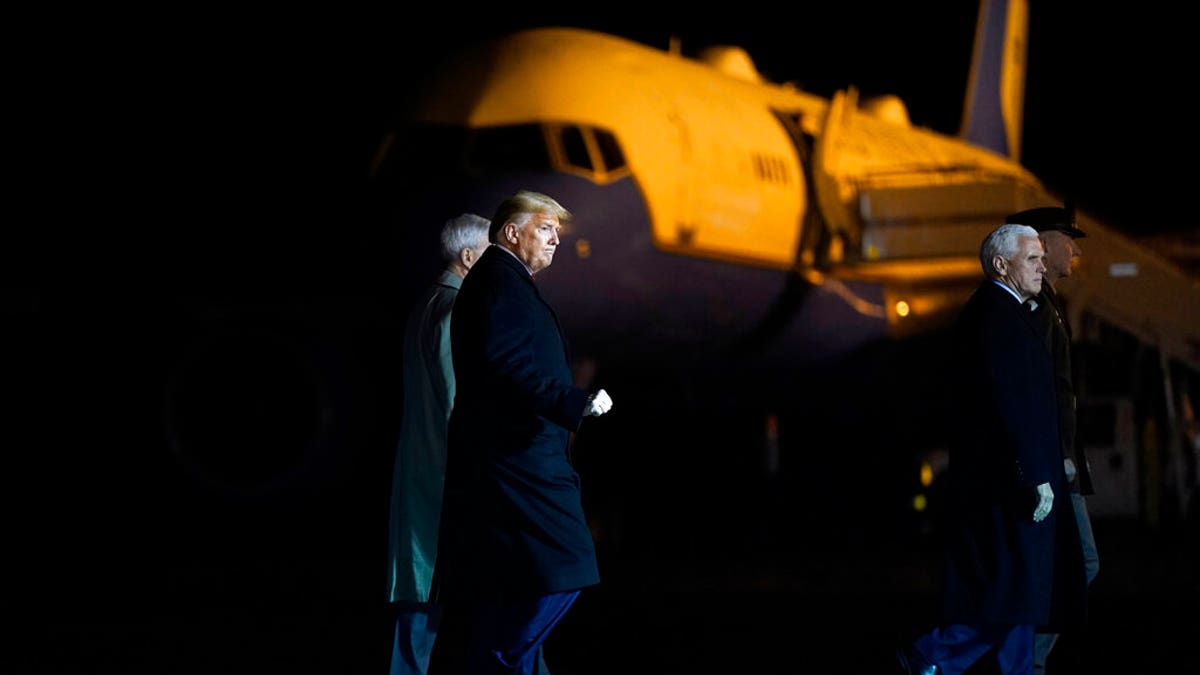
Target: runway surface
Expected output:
[833,607]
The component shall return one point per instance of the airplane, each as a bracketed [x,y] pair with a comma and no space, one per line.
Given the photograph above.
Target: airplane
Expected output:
[719,194]
[733,234]
[760,276]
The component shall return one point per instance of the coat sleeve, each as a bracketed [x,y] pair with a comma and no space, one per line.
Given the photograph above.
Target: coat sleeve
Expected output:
[435,346]
[527,357]
[1022,388]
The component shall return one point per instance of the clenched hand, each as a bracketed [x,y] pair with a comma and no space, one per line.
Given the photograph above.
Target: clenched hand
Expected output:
[1045,502]
[598,404]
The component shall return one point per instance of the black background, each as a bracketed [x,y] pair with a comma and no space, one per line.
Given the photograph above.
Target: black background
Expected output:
[181,170]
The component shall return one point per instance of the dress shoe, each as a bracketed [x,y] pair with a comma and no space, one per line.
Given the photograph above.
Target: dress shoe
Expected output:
[912,662]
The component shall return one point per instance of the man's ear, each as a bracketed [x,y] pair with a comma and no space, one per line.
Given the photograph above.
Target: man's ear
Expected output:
[1000,265]
[510,233]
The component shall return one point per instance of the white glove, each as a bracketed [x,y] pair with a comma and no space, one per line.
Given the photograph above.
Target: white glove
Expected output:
[1045,501]
[598,404]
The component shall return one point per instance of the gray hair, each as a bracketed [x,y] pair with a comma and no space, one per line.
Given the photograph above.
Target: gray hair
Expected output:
[466,230]
[1002,242]
[521,208]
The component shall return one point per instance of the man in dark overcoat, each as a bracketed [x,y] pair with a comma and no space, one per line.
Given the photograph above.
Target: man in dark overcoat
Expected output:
[515,548]
[1008,490]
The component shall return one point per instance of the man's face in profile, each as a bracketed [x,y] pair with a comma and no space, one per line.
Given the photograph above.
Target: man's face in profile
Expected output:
[1061,253]
[537,241]
[1024,271]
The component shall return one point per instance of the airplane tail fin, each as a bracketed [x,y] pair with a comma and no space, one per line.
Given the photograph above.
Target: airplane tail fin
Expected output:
[995,98]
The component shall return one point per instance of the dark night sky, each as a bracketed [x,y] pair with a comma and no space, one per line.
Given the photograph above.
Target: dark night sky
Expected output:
[236,111]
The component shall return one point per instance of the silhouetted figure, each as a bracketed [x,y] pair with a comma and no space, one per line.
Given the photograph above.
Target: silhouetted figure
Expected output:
[1058,232]
[515,549]
[420,463]
[1005,469]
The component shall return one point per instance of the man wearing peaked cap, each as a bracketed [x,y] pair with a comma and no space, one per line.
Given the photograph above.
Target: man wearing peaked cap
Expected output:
[1058,232]
[1048,219]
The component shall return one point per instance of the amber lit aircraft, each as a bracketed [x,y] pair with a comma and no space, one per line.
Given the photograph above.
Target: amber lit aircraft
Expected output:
[760,277]
[715,208]
[730,224]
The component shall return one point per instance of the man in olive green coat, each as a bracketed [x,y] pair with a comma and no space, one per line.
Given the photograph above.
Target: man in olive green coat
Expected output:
[420,464]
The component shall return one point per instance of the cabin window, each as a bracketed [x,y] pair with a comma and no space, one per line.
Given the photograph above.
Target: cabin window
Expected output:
[770,169]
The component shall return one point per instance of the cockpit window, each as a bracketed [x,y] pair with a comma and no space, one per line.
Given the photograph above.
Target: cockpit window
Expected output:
[507,148]
[610,150]
[575,148]
[582,150]
[587,151]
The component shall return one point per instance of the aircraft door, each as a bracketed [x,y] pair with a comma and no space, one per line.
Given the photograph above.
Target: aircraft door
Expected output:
[740,187]
[686,187]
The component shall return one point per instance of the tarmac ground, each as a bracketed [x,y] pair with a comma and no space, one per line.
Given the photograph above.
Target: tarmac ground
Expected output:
[830,609]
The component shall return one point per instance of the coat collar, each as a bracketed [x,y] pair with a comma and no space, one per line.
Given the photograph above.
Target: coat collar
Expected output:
[1005,298]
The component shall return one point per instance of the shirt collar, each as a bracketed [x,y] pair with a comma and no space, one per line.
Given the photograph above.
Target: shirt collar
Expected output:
[1031,301]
